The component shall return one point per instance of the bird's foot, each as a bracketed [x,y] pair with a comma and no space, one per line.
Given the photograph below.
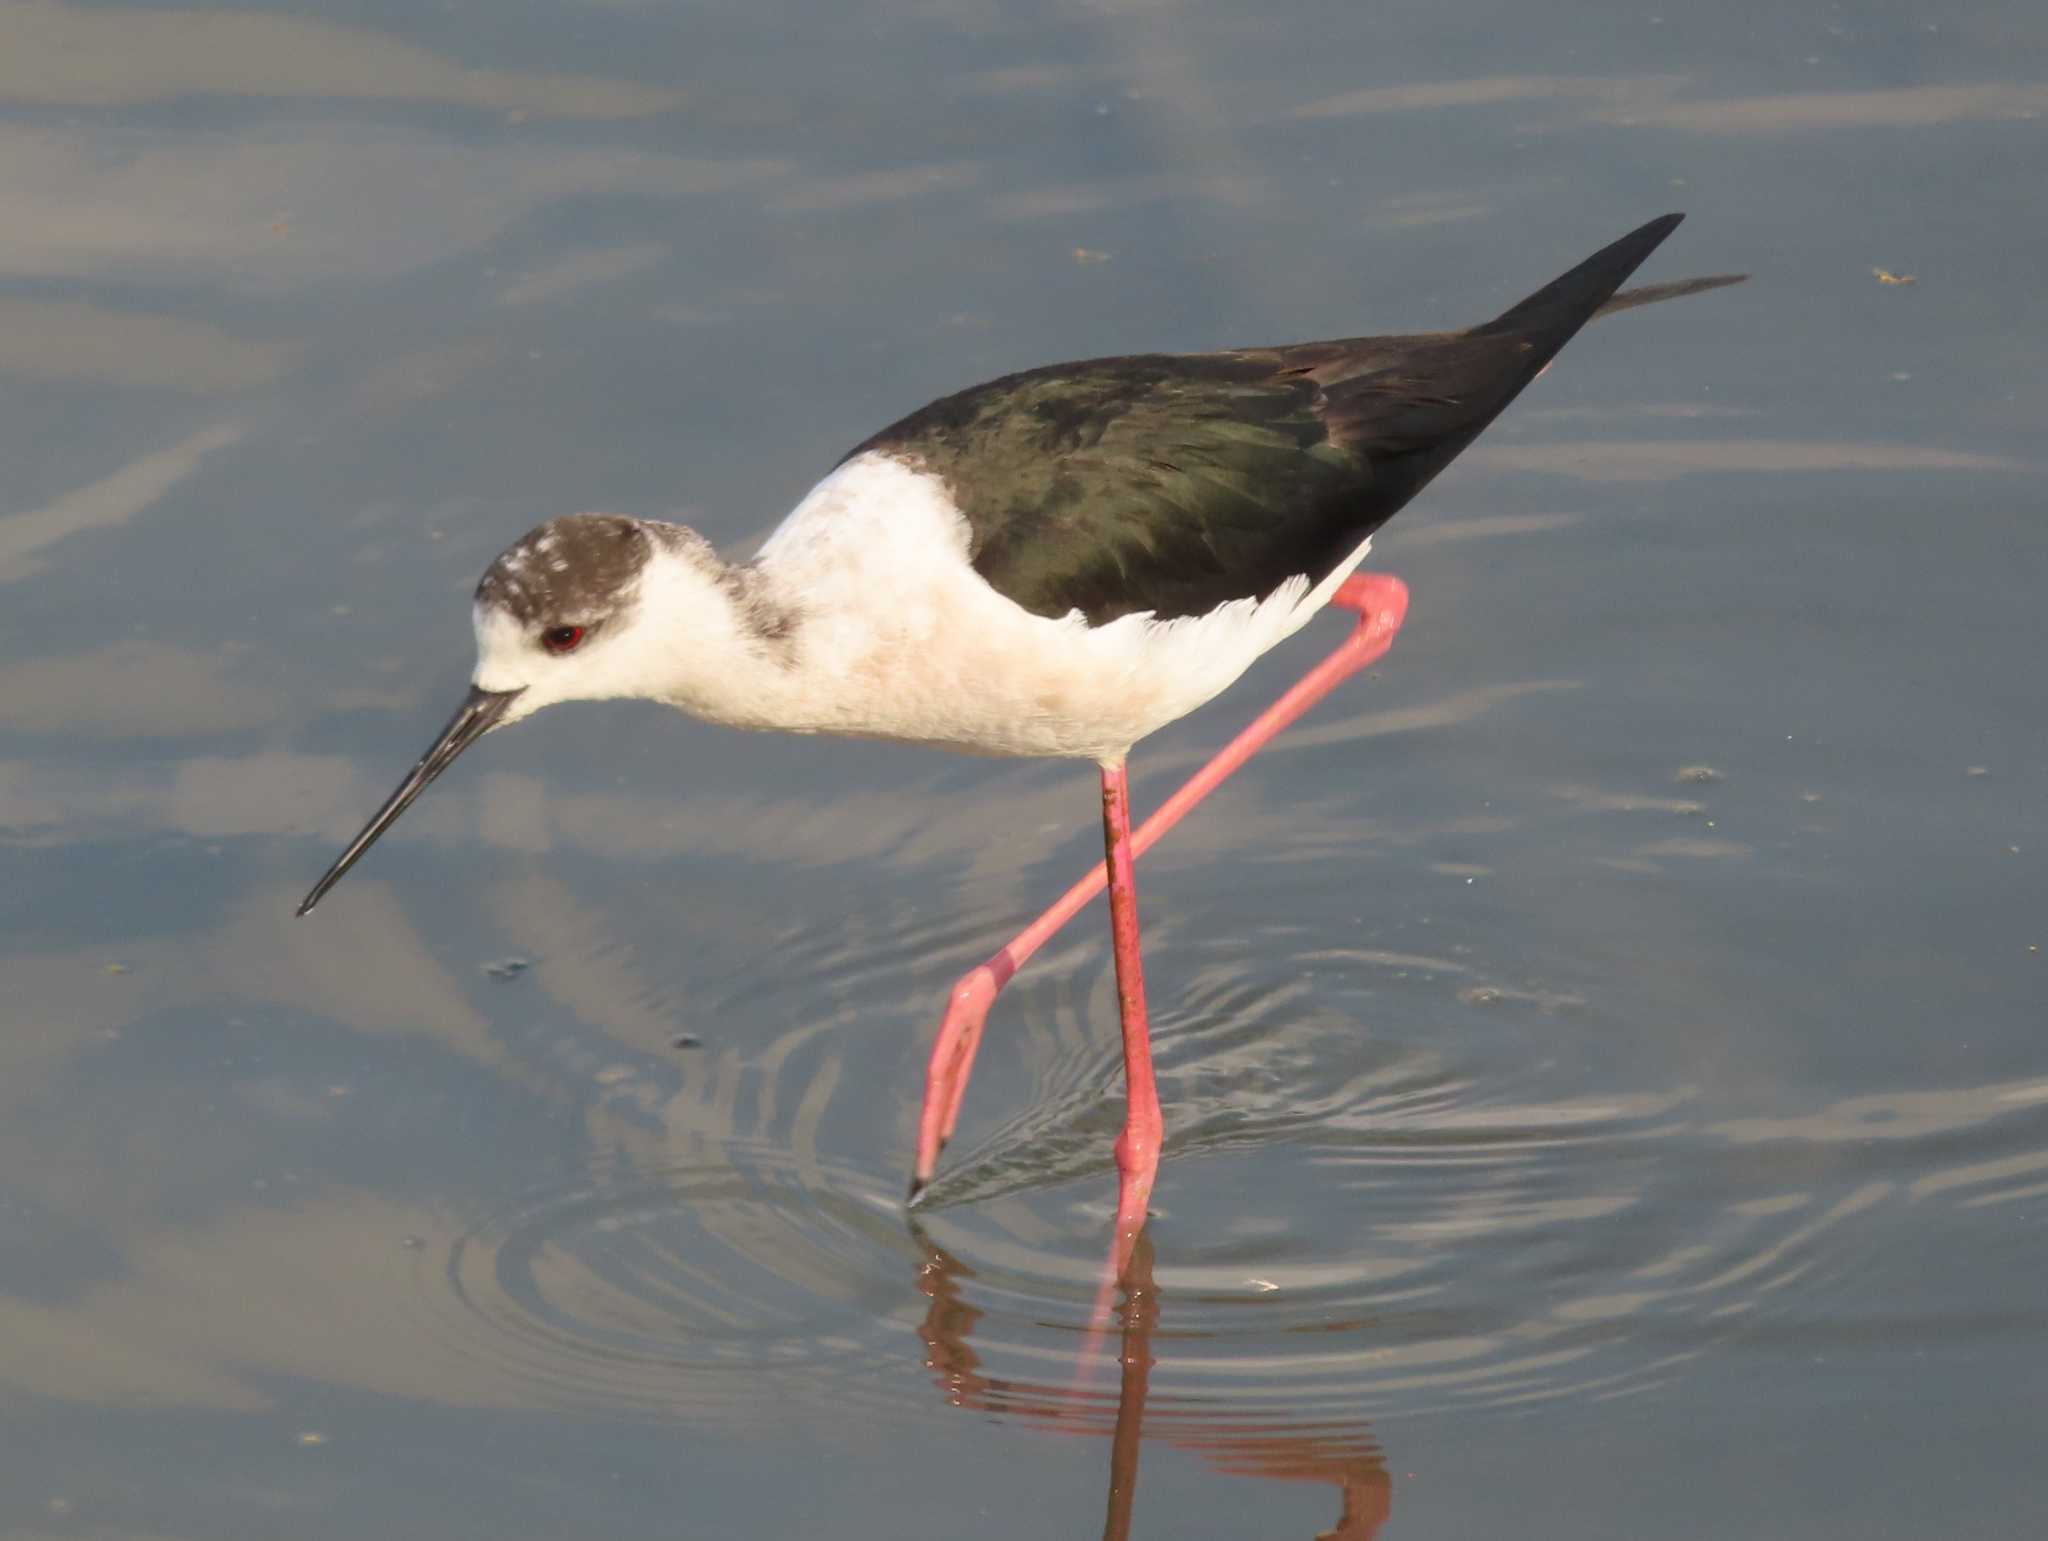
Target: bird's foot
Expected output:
[952,1061]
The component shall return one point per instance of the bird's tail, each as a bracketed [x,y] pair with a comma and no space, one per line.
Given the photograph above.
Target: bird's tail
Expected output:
[1651,294]
[1475,374]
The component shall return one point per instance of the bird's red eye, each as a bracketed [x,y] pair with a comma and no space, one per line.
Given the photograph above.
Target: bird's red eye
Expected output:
[561,639]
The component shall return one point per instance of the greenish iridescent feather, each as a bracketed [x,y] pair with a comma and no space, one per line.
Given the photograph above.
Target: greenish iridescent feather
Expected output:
[1176,483]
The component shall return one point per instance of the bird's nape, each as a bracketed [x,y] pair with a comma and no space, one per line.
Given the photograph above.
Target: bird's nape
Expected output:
[481,711]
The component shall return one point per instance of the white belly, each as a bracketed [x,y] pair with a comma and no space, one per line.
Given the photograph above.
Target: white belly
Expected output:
[898,637]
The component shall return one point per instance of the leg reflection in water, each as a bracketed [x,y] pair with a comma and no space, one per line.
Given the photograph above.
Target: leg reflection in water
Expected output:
[1347,1458]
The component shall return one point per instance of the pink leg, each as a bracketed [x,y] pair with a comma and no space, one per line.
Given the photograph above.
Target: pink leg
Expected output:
[1137,1148]
[1382,603]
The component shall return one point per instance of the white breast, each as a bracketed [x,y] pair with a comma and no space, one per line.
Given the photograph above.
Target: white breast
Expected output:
[898,637]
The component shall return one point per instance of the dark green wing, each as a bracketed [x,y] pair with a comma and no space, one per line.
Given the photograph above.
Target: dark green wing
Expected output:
[1173,484]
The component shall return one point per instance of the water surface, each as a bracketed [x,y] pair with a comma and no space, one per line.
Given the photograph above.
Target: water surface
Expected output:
[1602,1049]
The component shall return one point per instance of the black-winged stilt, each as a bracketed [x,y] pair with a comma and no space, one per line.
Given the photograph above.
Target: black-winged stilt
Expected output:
[1058,562]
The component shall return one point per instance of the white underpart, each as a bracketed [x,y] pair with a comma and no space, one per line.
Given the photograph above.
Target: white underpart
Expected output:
[897,637]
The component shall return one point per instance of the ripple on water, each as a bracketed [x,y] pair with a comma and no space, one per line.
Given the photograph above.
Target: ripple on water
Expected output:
[708,1288]
[1370,1205]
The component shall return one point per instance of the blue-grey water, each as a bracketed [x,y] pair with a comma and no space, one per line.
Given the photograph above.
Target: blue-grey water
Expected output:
[1604,1050]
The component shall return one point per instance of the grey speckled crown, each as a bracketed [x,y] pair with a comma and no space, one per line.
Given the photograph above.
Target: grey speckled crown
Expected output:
[570,571]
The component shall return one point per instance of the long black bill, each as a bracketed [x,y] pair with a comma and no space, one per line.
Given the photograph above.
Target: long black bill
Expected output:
[477,715]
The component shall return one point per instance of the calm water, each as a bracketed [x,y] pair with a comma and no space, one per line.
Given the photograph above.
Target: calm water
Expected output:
[1603,1050]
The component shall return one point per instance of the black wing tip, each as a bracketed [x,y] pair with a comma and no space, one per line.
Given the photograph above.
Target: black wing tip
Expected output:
[1652,235]
[1550,316]
[1638,243]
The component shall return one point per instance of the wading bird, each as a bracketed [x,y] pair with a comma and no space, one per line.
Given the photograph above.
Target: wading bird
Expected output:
[1058,562]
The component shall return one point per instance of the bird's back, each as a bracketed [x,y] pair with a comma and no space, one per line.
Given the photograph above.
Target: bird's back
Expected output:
[1177,483]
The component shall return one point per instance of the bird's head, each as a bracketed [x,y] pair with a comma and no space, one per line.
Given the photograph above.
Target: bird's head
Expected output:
[555,614]
[556,618]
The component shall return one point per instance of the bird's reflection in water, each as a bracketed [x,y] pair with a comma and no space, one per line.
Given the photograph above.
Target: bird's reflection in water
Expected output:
[1345,1456]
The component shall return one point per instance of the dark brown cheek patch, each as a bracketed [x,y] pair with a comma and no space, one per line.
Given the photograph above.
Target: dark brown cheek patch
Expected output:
[578,570]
